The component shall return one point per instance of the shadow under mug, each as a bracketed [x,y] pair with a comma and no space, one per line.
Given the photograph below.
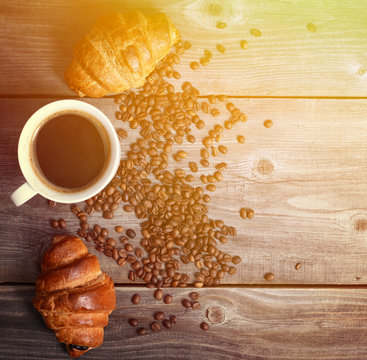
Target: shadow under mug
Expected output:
[34,183]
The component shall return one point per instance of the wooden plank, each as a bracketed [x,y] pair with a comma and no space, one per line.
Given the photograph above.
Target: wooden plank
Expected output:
[304,177]
[37,38]
[254,324]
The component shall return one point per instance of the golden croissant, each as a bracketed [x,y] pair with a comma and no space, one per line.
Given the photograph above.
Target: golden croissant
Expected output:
[73,295]
[119,52]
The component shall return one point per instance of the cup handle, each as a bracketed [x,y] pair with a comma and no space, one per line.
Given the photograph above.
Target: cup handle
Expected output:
[22,194]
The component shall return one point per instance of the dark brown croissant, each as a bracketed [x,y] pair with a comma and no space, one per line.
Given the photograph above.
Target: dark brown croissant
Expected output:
[73,295]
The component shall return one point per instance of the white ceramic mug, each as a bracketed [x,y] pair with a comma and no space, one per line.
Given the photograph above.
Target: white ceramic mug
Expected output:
[34,184]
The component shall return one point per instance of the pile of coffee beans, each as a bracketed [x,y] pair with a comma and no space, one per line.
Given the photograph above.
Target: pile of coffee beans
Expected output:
[175,228]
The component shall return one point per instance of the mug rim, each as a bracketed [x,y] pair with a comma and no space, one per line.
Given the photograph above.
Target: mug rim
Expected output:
[24,157]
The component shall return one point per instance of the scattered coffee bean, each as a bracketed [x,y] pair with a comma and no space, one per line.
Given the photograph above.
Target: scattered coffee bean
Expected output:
[104,232]
[269,276]
[108,214]
[135,299]
[133,322]
[167,323]
[195,305]
[244,44]
[159,315]
[250,213]
[55,223]
[124,240]
[121,261]
[186,303]
[194,295]
[221,25]
[130,233]
[204,326]
[132,276]
[168,299]
[62,223]
[141,331]
[198,284]
[155,326]
[243,213]
[158,294]
[119,229]
[236,260]
[298,266]
[173,319]
[75,209]
[128,247]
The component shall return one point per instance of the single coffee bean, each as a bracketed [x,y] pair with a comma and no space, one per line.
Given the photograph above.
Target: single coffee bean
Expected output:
[62,223]
[75,209]
[84,225]
[135,299]
[269,276]
[236,260]
[133,322]
[168,299]
[82,217]
[297,266]
[141,331]
[108,214]
[132,275]
[111,242]
[55,223]
[195,305]
[115,253]
[90,210]
[204,326]
[119,229]
[186,303]
[124,240]
[121,261]
[158,294]
[108,252]
[173,319]
[194,295]
[159,315]
[167,324]
[128,247]
[130,233]
[155,326]
[104,232]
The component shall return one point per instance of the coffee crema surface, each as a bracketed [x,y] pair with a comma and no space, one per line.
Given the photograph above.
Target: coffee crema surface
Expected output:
[70,150]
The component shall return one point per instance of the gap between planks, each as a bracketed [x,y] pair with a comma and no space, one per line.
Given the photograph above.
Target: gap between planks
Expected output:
[61,97]
[224,286]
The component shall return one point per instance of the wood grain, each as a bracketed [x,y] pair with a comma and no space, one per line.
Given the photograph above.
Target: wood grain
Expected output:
[37,38]
[304,177]
[257,324]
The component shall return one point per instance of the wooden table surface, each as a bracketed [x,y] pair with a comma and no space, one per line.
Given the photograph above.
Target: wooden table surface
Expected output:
[305,178]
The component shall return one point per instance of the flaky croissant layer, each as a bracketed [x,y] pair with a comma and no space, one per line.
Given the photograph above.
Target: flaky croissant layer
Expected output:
[119,52]
[73,295]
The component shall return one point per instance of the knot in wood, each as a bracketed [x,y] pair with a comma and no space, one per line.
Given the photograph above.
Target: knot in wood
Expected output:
[215,314]
[360,225]
[264,167]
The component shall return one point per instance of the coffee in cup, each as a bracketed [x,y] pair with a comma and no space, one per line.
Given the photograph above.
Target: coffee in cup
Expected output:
[68,151]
